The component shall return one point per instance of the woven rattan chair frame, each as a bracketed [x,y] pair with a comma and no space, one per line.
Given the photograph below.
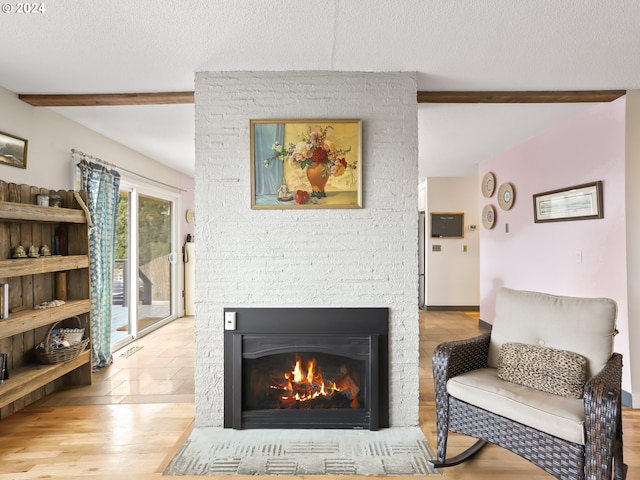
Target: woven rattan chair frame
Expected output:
[598,459]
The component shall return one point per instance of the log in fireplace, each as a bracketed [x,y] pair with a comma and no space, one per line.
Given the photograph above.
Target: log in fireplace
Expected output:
[306,368]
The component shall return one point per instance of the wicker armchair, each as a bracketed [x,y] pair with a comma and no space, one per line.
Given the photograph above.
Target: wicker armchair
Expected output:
[593,449]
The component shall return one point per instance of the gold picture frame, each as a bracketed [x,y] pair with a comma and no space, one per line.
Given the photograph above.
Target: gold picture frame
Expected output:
[580,202]
[306,163]
[13,150]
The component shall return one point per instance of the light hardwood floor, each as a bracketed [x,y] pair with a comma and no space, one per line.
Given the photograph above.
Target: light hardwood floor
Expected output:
[138,412]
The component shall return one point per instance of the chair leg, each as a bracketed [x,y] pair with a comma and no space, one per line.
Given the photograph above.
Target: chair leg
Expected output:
[621,472]
[458,459]
[619,467]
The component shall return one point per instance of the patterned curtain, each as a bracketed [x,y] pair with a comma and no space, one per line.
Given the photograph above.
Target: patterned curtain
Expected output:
[102,186]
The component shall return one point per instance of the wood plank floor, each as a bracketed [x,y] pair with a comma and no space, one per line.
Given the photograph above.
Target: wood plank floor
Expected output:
[116,429]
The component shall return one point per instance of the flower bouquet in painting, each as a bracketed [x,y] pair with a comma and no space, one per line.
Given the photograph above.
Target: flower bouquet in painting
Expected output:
[316,163]
[315,154]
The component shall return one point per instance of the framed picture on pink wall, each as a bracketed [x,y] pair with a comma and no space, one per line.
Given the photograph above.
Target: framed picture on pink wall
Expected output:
[580,202]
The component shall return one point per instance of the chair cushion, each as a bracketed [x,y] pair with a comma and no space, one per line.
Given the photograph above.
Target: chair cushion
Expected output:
[553,371]
[561,417]
[582,325]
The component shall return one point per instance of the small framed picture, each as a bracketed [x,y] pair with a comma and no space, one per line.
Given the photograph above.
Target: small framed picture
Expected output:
[13,150]
[580,202]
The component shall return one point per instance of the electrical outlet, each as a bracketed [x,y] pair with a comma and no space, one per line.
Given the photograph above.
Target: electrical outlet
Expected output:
[577,256]
[229,320]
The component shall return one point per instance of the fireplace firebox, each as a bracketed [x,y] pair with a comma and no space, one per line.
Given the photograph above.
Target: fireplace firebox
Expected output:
[306,368]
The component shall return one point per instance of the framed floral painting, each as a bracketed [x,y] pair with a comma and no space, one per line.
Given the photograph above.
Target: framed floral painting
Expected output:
[306,164]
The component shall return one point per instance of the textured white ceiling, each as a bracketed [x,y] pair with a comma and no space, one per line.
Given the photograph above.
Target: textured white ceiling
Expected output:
[98,46]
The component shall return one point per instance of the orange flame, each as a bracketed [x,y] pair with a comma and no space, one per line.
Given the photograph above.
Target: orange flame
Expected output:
[303,384]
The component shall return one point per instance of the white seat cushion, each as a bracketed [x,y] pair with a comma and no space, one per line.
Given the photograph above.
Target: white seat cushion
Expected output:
[561,417]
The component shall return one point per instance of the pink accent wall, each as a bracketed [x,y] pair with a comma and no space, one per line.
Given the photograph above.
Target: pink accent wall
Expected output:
[543,256]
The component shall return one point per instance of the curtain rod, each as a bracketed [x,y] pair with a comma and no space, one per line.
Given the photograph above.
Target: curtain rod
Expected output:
[85,156]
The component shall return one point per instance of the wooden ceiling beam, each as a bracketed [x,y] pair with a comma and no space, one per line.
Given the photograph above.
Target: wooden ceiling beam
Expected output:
[165,98]
[521,97]
[108,99]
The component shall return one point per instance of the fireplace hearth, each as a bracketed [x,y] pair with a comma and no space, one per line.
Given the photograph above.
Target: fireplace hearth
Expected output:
[307,368]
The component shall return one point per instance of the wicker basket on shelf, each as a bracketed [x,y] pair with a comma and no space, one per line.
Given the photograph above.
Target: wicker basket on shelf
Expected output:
[47,355]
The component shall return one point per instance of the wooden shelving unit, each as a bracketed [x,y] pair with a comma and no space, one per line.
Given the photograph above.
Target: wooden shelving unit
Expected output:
[31,319]
[31,266]
[31,282]
[30,378]
[35,213]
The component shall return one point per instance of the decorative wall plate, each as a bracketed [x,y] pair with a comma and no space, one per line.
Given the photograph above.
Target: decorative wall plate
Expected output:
[506,196]
[488,217]
[488,184]
[190,215]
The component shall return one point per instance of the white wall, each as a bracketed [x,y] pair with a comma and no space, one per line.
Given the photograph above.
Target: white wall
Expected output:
[632,166]
[453,275]
[50,140]
[354,257]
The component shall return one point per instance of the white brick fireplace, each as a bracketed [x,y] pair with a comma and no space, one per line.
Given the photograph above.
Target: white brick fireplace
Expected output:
[307,258]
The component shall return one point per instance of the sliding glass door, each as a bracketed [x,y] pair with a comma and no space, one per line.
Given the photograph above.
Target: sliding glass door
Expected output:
[154,261]
[144,287]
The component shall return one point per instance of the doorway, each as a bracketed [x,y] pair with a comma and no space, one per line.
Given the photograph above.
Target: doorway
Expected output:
[144,287]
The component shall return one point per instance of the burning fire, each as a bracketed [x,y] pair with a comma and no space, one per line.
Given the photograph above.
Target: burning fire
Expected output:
[304,384]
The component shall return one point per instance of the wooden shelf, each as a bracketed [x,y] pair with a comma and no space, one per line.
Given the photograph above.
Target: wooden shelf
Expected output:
[22,212]
[34,280]
[17,267]
[31,377]
[29,319]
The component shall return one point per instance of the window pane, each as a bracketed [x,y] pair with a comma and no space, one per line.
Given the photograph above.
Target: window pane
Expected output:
[154,273]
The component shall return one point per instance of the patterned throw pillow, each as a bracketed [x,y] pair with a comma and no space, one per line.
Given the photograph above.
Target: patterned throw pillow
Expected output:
[547,369]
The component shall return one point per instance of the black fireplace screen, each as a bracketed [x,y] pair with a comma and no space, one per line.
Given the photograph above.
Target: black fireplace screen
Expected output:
[307,380]
[278,375]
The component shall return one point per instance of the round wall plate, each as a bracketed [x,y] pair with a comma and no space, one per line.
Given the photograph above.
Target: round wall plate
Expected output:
[488,217]
[488,184]
[190,215]
[506,196]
